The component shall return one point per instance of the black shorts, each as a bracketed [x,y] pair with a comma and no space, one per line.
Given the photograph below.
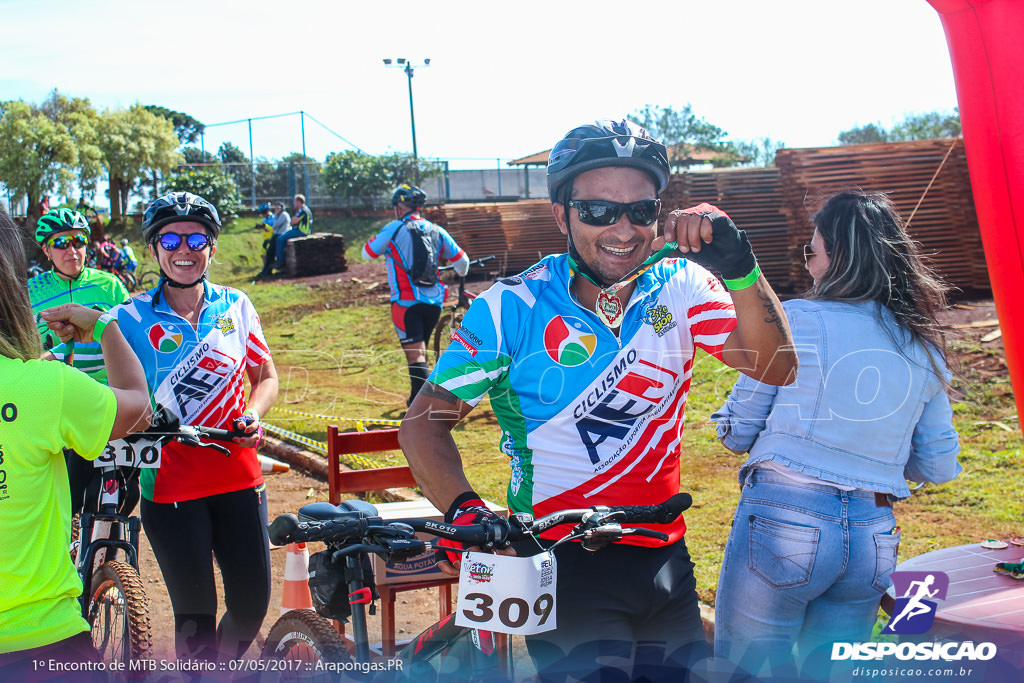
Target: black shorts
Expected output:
[415,323]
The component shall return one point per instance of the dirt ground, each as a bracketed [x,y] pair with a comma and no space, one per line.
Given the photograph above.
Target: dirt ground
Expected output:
[287,492]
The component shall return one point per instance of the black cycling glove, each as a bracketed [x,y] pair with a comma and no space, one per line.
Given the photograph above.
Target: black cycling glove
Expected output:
[729,252]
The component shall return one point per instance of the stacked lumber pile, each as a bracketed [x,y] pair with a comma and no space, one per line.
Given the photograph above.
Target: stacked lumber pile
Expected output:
[518,234]
[753,199]
[315,254]
[928,182]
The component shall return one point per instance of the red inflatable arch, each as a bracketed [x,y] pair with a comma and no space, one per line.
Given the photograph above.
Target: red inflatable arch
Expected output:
[984,38]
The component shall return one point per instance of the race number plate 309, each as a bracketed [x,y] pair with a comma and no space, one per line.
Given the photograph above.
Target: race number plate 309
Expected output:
[507,594]
[135,453]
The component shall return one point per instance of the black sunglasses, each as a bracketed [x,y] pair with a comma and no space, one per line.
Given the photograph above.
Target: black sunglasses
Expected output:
[808,253]
[601,213]
[197,241]
[65,241]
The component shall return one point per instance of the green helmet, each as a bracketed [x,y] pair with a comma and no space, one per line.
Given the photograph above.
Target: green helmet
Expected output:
[59,220]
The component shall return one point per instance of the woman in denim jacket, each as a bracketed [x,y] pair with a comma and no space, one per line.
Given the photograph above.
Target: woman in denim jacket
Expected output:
[814,539]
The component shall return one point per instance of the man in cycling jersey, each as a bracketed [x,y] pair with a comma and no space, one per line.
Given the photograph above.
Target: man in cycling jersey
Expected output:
[128,257]
[587,357]
[415,302]
[63,235]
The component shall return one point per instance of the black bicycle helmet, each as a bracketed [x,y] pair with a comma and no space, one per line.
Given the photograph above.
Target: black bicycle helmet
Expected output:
[59,220]
[606,143]
[410,195]
[179,206]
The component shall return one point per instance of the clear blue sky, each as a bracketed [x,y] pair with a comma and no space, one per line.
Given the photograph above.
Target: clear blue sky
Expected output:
[506,79]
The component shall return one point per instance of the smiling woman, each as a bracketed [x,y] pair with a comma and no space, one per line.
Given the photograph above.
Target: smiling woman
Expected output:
[199,343]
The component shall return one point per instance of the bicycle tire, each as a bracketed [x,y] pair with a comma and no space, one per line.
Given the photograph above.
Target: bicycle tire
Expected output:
[446,327]
[301,635]
[147,280]
[118,616]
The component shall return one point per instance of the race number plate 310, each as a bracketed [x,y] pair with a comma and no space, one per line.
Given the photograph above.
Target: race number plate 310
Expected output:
[507,594]
[139,452]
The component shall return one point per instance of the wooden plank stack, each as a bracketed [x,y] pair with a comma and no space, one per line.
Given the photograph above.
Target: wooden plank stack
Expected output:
[928,182]
[315,254]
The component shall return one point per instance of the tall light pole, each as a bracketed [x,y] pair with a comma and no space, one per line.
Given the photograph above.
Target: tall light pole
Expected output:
[407,66]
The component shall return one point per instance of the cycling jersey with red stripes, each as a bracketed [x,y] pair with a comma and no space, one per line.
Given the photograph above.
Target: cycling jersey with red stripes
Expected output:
[199,375]
[587,416]
[393,242]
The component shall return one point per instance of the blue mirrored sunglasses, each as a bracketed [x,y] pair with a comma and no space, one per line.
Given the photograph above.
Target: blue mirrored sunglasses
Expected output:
[197,241]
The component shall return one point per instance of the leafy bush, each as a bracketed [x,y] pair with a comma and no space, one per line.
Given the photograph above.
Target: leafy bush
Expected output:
[210,183]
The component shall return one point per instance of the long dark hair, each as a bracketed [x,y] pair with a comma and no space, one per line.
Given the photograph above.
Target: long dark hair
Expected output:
[872,258]
[19,337]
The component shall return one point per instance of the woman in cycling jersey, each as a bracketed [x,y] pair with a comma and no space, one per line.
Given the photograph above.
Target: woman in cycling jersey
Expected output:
[199,343]
[45,406]
[814,539]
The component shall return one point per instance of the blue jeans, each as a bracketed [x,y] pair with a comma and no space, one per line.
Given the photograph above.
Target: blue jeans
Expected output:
[805,564]
[280,241]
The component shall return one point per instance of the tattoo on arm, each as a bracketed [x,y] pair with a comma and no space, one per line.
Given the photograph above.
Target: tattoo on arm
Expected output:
[773,313]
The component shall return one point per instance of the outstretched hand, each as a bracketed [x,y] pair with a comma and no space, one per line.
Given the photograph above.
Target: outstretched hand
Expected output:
[71,321]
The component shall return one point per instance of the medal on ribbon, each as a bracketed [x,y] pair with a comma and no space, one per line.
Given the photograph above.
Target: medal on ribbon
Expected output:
[609,308]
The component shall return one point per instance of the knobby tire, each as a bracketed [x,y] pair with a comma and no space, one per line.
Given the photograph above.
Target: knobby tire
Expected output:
[301,635]
[118,616]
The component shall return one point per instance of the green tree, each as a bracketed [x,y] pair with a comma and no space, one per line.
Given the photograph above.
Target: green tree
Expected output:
[36,154]
[210,183]
[927,126]
[134,141]
[194,155]
[186,128]
[863,135]
[77,116]
[759,153]
[686,135]
[360,179]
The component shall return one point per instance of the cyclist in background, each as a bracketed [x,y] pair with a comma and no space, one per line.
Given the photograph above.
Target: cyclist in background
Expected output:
[416,297]
[198,343]
[587,357]
[108,254]
[63,235]
[45,406]
[128,256]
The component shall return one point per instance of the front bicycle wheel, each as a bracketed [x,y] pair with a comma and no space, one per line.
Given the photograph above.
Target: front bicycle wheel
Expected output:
[148,280]
[446,327]
[118,616]
[309,644]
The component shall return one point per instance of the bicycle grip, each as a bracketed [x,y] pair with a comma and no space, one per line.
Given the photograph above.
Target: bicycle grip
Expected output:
[287,528]
[662,513]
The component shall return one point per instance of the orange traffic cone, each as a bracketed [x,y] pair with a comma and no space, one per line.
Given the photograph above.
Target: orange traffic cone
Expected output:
[269,465]
[296,579]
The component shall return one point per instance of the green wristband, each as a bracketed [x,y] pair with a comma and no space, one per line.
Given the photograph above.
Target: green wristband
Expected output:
[101,324]
[745,281]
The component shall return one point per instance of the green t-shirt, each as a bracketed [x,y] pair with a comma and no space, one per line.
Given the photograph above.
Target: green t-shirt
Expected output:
[44,406]
[305,217]
[93,289]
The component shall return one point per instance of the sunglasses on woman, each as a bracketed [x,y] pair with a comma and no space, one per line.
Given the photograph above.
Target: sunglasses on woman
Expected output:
[808,253]
[65,241]
[601,213]
[197,241]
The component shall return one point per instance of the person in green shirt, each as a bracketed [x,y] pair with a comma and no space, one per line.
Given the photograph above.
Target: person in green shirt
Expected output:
[45,406]
[63,235]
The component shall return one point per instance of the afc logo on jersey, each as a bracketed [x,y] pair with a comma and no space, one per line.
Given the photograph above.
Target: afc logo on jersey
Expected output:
[198,386]
[630,390]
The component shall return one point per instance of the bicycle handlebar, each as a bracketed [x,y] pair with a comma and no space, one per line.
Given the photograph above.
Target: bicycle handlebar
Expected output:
[474,262]
[496,533]
[167,428]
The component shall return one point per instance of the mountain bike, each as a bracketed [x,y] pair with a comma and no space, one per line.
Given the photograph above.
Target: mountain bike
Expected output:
[303,645]
[451,319]
[114,599]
